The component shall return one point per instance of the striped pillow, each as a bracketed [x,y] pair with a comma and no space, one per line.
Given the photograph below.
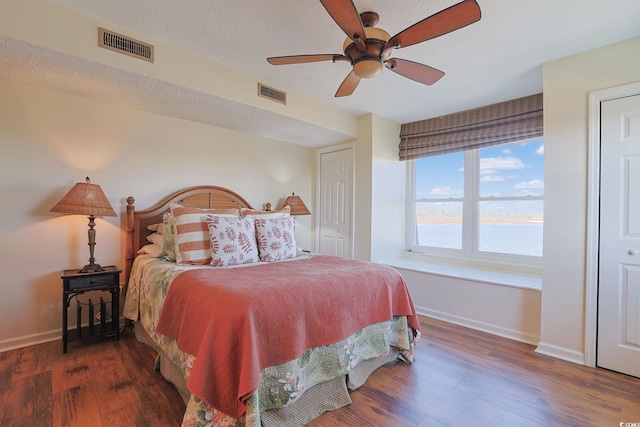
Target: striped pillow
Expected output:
[192,233]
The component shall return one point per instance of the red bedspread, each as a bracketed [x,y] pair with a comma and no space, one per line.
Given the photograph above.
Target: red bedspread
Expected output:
[238,321]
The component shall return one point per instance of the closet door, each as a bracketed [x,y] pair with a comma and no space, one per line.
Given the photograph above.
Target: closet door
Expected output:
[336,203]
[618,342]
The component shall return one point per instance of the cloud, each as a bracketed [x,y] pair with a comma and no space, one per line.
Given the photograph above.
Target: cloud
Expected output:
[491,165]
[506,151]
[540,150]
[444,191]
[491,178]
[536,183]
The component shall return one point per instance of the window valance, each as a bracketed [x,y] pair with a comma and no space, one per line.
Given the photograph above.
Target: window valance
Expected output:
[494,124]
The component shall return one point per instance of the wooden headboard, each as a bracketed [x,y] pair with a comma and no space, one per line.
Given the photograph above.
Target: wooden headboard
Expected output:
[202,196]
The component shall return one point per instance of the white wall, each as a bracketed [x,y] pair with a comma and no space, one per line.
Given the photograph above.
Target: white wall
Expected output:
[379,198]
[567,83]
[500,310]
[51,140]
[388,182]
[362,189]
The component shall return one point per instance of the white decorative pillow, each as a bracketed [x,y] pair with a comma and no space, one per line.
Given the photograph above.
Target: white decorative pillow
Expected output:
[155,238]
[158,228]
[282,213]
[192,233]
[153,250]
[232,239]
[276,238]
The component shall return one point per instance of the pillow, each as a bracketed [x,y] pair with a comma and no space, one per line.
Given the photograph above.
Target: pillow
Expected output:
[192,244]
[153,250]
[158,228]
[156,239]
[169,237]
[276,238]
[232,239]
[282,213]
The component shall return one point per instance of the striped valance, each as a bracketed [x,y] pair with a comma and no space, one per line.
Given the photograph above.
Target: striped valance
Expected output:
[494,124]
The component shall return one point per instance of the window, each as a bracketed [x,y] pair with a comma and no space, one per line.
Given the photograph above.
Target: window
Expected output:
[483,204]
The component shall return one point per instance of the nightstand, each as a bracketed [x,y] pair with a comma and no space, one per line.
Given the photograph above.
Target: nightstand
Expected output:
[75,283]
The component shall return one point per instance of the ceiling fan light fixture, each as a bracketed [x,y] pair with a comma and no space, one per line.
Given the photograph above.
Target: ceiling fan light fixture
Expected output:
[368,67]
[376,33]
[369,33]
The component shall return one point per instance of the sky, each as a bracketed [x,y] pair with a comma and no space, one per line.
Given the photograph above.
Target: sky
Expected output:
[505,170]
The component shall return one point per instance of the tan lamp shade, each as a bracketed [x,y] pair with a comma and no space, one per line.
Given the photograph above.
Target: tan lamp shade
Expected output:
[87,199]
[297,205]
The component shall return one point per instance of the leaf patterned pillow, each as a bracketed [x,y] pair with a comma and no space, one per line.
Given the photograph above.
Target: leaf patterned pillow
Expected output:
[276,238]
[233,240]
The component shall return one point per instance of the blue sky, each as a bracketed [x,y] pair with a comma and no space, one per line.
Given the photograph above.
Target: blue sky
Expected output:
[506,170]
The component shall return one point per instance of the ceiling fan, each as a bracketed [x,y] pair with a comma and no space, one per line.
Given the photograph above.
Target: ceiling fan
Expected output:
[368,48]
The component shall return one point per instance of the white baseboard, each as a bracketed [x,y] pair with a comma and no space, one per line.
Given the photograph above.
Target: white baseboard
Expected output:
[500,331]
[561,353]
[29,340]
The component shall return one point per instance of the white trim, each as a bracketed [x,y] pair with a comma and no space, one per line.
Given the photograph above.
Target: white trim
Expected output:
[410,211]
[560,353]
[332,149]
[32,339]
[470,205]
[489,328]
[593,214]
[512,279]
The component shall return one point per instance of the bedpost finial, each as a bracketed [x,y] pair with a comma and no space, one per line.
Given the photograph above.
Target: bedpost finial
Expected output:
[130,200]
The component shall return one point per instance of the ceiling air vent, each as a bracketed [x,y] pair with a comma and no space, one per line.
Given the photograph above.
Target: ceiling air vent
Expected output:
[272,94]
[123,44]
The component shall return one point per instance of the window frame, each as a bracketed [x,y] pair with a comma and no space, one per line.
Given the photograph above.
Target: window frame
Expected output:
[469,255]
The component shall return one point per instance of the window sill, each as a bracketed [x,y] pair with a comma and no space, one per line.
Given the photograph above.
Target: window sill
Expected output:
[493,277]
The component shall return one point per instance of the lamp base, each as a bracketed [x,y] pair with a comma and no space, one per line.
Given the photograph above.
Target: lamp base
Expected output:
[91,268]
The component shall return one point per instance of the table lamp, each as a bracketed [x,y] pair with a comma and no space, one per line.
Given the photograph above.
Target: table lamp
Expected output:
[86,199]
[297,205]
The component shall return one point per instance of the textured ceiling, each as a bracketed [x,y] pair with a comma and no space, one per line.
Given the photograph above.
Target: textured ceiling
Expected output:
[498,58]
[34,65]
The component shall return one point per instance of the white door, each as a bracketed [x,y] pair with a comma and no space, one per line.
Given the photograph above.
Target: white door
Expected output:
[618,345]
[335,220]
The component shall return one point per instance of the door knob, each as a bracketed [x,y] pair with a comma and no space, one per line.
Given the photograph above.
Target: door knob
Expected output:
[633,252]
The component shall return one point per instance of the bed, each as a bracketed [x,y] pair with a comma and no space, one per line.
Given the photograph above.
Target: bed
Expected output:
[253,331]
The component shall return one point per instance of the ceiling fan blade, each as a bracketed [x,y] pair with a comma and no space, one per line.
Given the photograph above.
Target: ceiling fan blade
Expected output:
[447,20]
[301,59]
[346,15]
[348,85]
[412,70]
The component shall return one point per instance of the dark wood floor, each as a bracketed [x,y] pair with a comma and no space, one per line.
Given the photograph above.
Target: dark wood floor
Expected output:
[460,377]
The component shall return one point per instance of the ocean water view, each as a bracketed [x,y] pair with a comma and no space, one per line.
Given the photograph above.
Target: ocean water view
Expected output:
[512,238]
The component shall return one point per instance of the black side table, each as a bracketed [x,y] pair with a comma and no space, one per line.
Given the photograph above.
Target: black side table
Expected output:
[76,283]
